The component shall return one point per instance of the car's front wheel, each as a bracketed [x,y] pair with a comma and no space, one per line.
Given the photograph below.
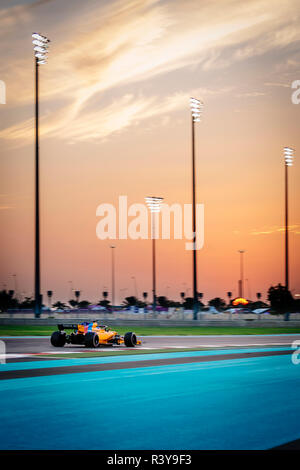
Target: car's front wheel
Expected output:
[130,339]
[58,339]
[91,340]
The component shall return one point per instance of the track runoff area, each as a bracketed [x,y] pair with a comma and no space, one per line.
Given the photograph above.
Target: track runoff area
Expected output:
[192,393]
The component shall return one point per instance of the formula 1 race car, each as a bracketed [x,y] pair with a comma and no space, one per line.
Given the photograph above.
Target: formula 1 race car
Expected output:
[91,335]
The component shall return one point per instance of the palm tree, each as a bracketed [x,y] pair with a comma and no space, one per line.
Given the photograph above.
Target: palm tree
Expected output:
[104,303]
[130,301]
[280,298]
[28,303]
[7,300]
[163,301]
[84,304]
[218,303]
[59,305]
[49,295]
[188,303]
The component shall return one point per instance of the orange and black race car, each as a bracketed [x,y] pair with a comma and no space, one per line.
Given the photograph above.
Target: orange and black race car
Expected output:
[91,335]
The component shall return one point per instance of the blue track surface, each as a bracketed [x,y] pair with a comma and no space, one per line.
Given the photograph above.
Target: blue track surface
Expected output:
[232,404]
[45,364]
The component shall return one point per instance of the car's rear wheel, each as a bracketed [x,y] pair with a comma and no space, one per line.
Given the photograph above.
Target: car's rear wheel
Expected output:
[130,339]
[58,339]
[91,340]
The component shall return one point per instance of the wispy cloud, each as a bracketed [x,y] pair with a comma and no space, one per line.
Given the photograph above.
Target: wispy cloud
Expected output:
[252,94]
[275,84]
[276,229]
[15,15]
[115,117]
[125,43]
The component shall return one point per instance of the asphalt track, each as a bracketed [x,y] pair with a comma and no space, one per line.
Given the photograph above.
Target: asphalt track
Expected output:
[38,344]
[241,397]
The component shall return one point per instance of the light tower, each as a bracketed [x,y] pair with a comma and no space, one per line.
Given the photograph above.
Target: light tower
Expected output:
[112,276]
[196,111]
[241,281]
[154,204]
[288,161]
[40,54]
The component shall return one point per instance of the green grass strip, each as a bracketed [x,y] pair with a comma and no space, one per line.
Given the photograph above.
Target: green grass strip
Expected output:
[28,330]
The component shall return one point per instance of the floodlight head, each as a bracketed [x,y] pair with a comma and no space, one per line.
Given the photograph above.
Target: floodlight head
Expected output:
[37,42]
[196,109]
[40,48]
[154,203]
[40,37]
[288,156]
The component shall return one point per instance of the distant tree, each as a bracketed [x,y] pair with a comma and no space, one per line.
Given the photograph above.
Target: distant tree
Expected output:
[174,303]
[163,301]
[280,298]
[218,303]
[73,303]
[27,303]
[188,303]
[49,295]
[296,306]
[130,301]
[7,300]
[104,303]
[59,305]
[84,304]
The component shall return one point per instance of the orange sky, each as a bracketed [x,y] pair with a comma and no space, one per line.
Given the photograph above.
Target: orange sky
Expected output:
[115,121]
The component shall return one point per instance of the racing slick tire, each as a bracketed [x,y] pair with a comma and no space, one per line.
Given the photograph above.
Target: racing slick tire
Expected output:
[91,340]
[130,339]
[58,339]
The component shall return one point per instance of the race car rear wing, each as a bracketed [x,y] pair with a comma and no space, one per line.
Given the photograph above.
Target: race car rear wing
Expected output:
[69,326]
[72,326]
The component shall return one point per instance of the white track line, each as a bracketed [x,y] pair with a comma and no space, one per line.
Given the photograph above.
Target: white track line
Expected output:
[13,356]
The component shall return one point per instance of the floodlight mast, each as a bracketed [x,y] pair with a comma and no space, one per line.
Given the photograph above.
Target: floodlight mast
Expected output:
[241,281]
[288,161]
[40,53]
[154,204]
[112,276]
[196,111]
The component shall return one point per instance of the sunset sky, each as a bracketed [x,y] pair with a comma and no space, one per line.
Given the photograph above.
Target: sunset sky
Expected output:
[115,120]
